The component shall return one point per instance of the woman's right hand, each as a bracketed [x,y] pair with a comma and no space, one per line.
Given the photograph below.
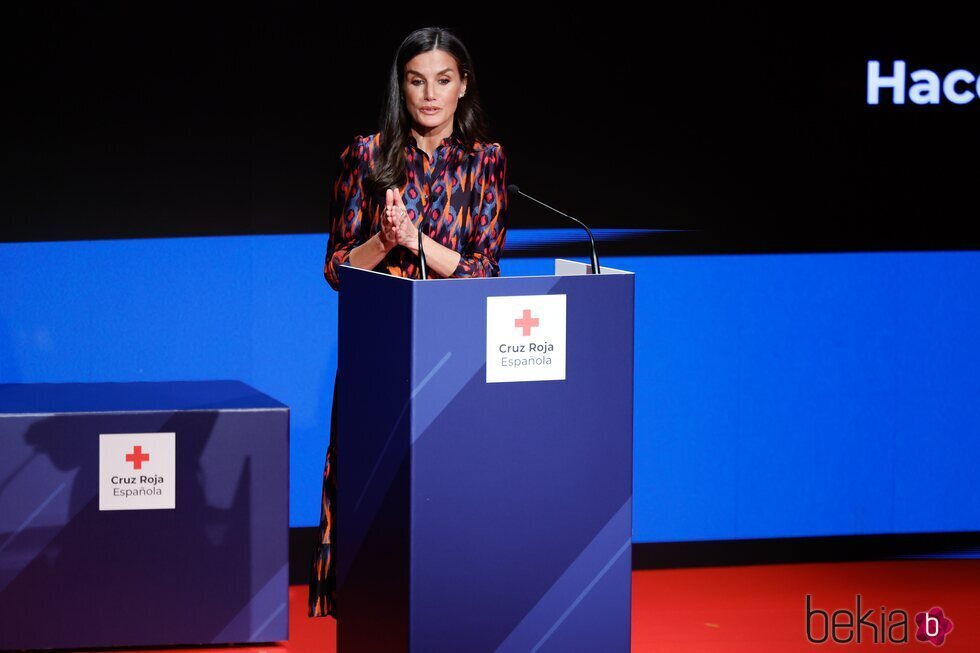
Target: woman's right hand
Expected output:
[389,223]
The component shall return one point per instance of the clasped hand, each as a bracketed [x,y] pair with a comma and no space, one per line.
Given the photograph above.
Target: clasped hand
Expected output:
[396,227]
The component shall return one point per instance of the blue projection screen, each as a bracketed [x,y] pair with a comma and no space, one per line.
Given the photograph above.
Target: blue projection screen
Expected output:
[777,395]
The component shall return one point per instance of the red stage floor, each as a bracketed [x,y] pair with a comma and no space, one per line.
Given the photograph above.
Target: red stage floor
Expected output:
[757,608]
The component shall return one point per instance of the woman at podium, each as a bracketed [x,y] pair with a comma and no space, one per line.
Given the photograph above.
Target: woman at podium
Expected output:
[431,169]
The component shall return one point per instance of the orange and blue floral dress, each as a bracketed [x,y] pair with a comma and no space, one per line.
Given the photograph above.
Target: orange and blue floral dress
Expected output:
[458,197]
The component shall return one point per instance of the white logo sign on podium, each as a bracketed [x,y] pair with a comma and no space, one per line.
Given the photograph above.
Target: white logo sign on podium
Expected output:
[526,338]
[137,471]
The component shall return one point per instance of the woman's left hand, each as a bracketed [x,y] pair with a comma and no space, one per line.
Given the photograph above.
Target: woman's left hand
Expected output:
[408,234]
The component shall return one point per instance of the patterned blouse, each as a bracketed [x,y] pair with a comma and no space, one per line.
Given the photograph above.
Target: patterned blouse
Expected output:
[459,198]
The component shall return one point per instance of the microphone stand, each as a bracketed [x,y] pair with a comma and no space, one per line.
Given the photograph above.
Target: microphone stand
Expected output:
[595,257]
[422,266]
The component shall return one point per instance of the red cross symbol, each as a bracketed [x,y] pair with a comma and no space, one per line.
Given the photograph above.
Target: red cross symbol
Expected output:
[526,322]
[137,457]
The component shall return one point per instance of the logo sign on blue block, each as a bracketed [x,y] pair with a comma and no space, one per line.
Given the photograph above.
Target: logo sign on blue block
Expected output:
[526,338]
[137,471]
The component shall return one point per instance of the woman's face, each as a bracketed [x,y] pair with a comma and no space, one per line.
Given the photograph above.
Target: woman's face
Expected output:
[432,86]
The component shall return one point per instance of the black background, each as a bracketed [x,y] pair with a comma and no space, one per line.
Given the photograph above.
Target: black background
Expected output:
[747,122]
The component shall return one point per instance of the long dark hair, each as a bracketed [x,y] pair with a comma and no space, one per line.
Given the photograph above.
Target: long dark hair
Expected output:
[469,124]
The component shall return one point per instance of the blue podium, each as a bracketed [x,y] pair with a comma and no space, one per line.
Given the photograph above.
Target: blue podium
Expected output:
[142,514]
[484,463]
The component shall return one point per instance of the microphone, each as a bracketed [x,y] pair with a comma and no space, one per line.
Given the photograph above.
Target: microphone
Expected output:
[422,266]
[595,257]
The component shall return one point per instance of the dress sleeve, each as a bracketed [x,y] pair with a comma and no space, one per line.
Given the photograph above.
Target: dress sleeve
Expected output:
[346,211]
[479,258]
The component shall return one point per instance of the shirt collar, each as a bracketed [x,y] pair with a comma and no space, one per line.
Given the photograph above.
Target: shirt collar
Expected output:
[452,139]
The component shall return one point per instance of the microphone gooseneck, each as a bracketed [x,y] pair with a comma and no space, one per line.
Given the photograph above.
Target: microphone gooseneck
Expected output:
[595,257]
[422,267]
